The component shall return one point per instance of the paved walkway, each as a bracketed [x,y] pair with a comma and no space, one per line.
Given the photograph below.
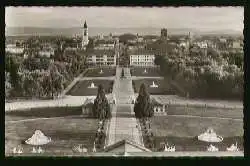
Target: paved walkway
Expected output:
[123,123]
[72,83]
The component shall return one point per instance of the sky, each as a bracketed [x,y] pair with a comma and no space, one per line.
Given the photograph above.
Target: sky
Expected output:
[206,18]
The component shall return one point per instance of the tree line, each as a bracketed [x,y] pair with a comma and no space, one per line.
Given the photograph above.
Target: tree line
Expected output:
[213,76]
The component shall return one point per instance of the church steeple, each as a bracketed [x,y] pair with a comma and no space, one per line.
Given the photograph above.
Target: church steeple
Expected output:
[85,25]
[85,38]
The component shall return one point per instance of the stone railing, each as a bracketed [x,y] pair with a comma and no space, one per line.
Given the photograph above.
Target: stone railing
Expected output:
[160,110]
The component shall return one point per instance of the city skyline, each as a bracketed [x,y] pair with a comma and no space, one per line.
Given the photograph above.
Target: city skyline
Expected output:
[210,18]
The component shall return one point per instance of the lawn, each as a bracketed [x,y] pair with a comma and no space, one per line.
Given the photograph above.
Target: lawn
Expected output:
[65,134]
[81,88]
[205,112]
[95,72]
[160,90]
[151,72]
[182,132]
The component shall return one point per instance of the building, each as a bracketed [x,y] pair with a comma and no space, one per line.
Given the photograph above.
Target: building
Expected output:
[164,34]
[102,58]
[13,49]
[46,52]
[104,44]
[141,57]
[85,37]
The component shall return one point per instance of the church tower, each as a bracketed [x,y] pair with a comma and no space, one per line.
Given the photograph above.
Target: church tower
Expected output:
[85,37]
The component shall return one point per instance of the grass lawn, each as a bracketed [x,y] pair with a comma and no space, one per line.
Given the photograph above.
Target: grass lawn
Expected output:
[95,72]
[183,132]
[81,88]
[151,72]
[65,134]
[205,112]
[160,90]
[193,144]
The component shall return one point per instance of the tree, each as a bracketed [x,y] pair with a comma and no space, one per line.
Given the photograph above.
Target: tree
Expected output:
[14,77]
[143,106]
[122,73]
[158,60]
[90,46]
[101,107]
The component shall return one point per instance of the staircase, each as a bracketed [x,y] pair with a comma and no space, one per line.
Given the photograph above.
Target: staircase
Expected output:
[123,123]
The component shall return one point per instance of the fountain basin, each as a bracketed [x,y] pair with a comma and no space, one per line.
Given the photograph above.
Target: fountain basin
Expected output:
[38,139]
[210,136]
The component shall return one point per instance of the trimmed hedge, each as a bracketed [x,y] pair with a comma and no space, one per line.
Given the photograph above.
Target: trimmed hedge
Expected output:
[47,112]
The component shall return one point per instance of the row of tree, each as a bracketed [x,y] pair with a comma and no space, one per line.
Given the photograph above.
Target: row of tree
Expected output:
[199,76]
[41,77]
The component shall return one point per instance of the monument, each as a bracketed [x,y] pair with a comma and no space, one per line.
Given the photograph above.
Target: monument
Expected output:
[153,85]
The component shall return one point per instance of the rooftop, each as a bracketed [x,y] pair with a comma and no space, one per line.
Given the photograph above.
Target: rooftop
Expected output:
[97,42]
[141,52]
[101,52]
[124,146]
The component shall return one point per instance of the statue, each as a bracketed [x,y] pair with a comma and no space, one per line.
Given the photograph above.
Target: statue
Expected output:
[101,72]
[94,149]
[233,148]
[212,148]
[169,148]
